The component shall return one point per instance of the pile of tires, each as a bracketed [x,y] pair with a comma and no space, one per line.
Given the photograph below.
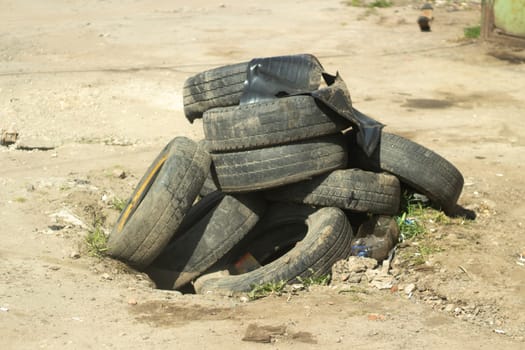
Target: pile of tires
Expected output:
[276,189]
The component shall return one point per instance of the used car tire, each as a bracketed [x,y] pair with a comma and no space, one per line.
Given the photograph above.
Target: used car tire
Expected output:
[269,167]
[204,243]
[326,241]
[219,87]
[159,202]
[268,123]
[350,189]
[224,86]
[416,166]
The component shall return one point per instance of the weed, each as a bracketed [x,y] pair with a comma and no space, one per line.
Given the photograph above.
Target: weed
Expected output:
[20,199]
[380,3]
[118,203]
[410,221]
[361,3]
[354,3]
[64,188]
[472,32]
[314,280]
[424,250]
[267,289]
[96,241]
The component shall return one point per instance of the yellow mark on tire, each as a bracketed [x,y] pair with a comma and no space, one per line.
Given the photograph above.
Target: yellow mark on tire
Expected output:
[138,193]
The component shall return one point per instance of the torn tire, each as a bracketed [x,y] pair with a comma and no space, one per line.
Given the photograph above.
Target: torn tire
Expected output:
[279,165]
[326,241]
[225,86]
[416,166]
[194,251]
[350,189]
[159,202]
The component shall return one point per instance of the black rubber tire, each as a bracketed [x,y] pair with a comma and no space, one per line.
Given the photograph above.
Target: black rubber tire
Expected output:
[207,241]
[416,166]
[282,224]
[268,123]
[269,167]
[200,209]
[224,86]
[326,241]
[218,87]
[350,189]
[158,204]
[209,185]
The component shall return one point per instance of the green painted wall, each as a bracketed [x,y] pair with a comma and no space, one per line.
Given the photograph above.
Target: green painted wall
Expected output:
[509,15]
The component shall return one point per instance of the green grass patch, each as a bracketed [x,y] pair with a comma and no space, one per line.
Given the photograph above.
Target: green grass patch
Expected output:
[410,220]
[118,203]
[96,241]
[381,3]
[267,289]
[361,3]
[472,32]
[423,251]
[314,280]
[20,200]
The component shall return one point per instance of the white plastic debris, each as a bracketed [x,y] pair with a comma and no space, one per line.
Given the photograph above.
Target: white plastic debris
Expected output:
[65,215]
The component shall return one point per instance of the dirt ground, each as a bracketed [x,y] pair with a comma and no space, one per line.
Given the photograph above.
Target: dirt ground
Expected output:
[94,90]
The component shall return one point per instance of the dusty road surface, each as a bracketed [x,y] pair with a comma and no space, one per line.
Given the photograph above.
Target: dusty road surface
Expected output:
[94,90]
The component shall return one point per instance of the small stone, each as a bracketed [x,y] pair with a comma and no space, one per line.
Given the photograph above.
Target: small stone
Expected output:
[36,143]
[297,287]
[355,278]
[132,301]
[376,317]
[244,299]
[30,187]
[409,288]
[106,276]
[8,137]
[74,255]
[119,173]
[450,307]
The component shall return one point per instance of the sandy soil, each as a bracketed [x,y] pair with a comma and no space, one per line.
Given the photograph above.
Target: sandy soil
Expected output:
[98,85]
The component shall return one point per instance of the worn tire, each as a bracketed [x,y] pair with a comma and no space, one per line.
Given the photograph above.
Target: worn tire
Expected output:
[416,166]
[326,241]
[279,165]
[224,86]
[268,123]
[209,186]
[350,189]
[194,251]
[218,87]
[283,225]
[159,202]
